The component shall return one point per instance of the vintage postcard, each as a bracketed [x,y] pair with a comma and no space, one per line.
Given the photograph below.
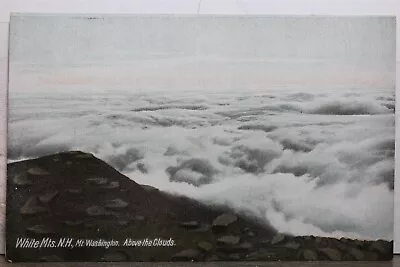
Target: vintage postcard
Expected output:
[200,138]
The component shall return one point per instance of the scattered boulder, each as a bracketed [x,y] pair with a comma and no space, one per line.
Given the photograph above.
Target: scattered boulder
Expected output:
[32,207]
[292,245]
[21,179]
[224,220]
[229,240]
[188,255]
[122,223]
[116,204]
[251,234]
[98,211]
[74,223]
[190,225]
[139,218]
[40,230]
[48,196]
[201,228]
[98,180]
[277,239]
[245,246]
[75,191]
[111,185]
[38,172]
[331,254]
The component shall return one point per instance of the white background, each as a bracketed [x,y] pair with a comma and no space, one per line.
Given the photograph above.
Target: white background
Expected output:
[282,7]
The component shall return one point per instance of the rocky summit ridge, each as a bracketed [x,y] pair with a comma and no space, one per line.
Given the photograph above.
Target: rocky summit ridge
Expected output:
[98,214]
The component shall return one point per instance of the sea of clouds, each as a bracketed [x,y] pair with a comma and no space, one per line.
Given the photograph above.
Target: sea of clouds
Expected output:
[318,163]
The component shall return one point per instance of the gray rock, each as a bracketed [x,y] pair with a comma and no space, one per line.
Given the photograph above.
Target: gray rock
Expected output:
[245,246]
[224,220]
[115,256]
[116,204]
[21,179]
[122,223]
[310,255]
[205,246]
[188,255]
[97,180]
[277,239]
[251,234]
[75,191]
[357,254]
[74,223]
[38,172]
[98,211]
[229,240]
[48,196]
[139,218]
[32,207]
[189,225]
[201,229]
[292,245]
[111,185]
[332,254]
[40,230]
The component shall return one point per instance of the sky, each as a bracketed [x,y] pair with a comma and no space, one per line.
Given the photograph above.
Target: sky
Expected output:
[201,53]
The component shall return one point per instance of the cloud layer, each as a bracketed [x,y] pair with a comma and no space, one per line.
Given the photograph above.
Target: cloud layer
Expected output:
[317,163]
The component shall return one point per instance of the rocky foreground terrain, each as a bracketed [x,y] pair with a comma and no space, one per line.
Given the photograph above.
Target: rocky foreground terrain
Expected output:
[75,195]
